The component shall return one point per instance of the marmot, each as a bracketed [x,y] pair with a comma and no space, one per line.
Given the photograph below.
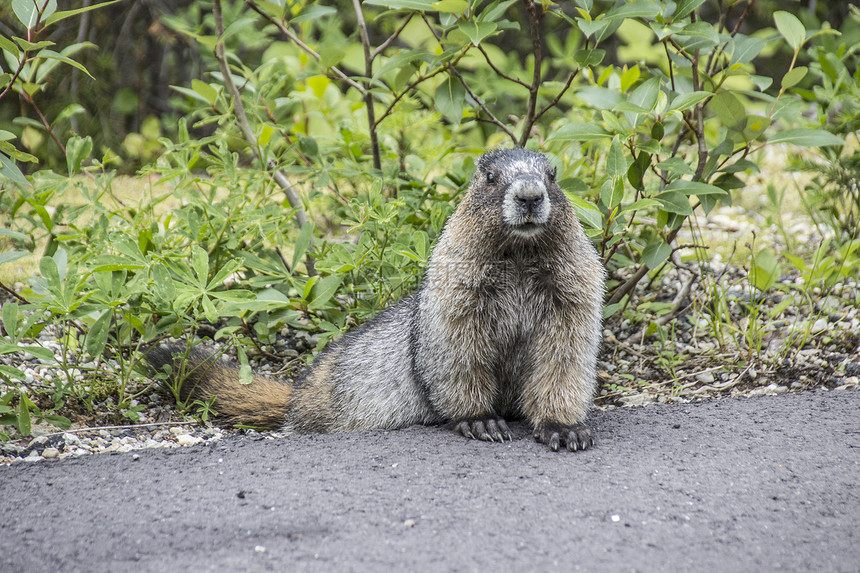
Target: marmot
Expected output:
[507,323]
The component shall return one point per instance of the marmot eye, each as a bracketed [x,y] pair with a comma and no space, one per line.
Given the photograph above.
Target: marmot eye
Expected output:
[490,177]
[551,174]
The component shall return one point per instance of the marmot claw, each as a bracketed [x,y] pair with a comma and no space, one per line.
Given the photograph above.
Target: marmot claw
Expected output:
[487,429]
[575,437]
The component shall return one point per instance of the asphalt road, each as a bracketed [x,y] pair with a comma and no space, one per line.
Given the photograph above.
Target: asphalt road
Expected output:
[746,484]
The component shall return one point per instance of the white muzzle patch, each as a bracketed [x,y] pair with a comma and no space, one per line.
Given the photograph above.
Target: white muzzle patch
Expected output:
[526,206]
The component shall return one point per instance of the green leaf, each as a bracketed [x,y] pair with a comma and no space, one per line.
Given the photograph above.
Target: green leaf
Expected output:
[655,253]
[790,28]
[52,55]
[32,46]
[10,318]
[744,49]
[645,96]
[206,91]
[636,9]
[794,77]
[729,109]
[600,98]
[675,202]
[765,270]
[313,12]
[697,36]
[579,132]
[98,334]
[684,102]
[27,12]
[477,31]
[612,193]
[200,264]
[209,310]
[421,243]
[589,58]
[9,46]
[10,170]
[641,204]
[23,416]
[449,98]
[303,241]
[496,10]
[223,273]
[694,188]
[323,290]
[419,5]
[59,421]
[684,7]
[586,211]
[803,137]
[616,162]
[77,150]
[63,14]
[451,6]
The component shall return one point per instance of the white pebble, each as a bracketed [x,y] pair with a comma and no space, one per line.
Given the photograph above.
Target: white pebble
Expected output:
[705,377]
[50,453]
[188,440]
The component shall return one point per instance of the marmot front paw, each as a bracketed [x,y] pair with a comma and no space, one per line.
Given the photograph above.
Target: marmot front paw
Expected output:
[487,429]
[575,437]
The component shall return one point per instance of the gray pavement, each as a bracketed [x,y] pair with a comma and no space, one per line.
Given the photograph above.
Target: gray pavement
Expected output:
[743,484]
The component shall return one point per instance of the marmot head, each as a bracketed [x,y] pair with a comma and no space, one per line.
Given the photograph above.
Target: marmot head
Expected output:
[521,185]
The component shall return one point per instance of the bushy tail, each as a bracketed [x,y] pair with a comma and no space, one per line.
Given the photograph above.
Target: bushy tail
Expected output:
[262,403]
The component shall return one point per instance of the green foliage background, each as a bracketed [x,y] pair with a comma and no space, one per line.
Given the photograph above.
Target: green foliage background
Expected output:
[297,160]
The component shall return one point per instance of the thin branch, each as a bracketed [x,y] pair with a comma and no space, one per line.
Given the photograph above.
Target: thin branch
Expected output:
[44,121]
[14,294]
[368,96]
[534,30]
[285,29]
[678,307]
[15,76]
[499,72]
[245,126]
[628,286]
[700,122]
[412,85]
[391,38]
[493,119]
[560,94]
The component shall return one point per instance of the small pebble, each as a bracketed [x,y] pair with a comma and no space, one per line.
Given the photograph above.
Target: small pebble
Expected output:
[50,453]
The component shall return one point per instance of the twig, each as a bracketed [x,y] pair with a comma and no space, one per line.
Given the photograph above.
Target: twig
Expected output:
[285,29]
[125,427]
[391,38]
[14,294]
[676,310]
[558,96]
[245,126]
[499,72]
[493,119]
[534,30]
[368,96]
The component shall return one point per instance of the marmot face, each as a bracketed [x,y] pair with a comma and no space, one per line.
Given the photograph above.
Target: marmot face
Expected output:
[520,183]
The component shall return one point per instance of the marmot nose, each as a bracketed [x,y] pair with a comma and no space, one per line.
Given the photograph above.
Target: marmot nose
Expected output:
[530,202]
[529,194]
